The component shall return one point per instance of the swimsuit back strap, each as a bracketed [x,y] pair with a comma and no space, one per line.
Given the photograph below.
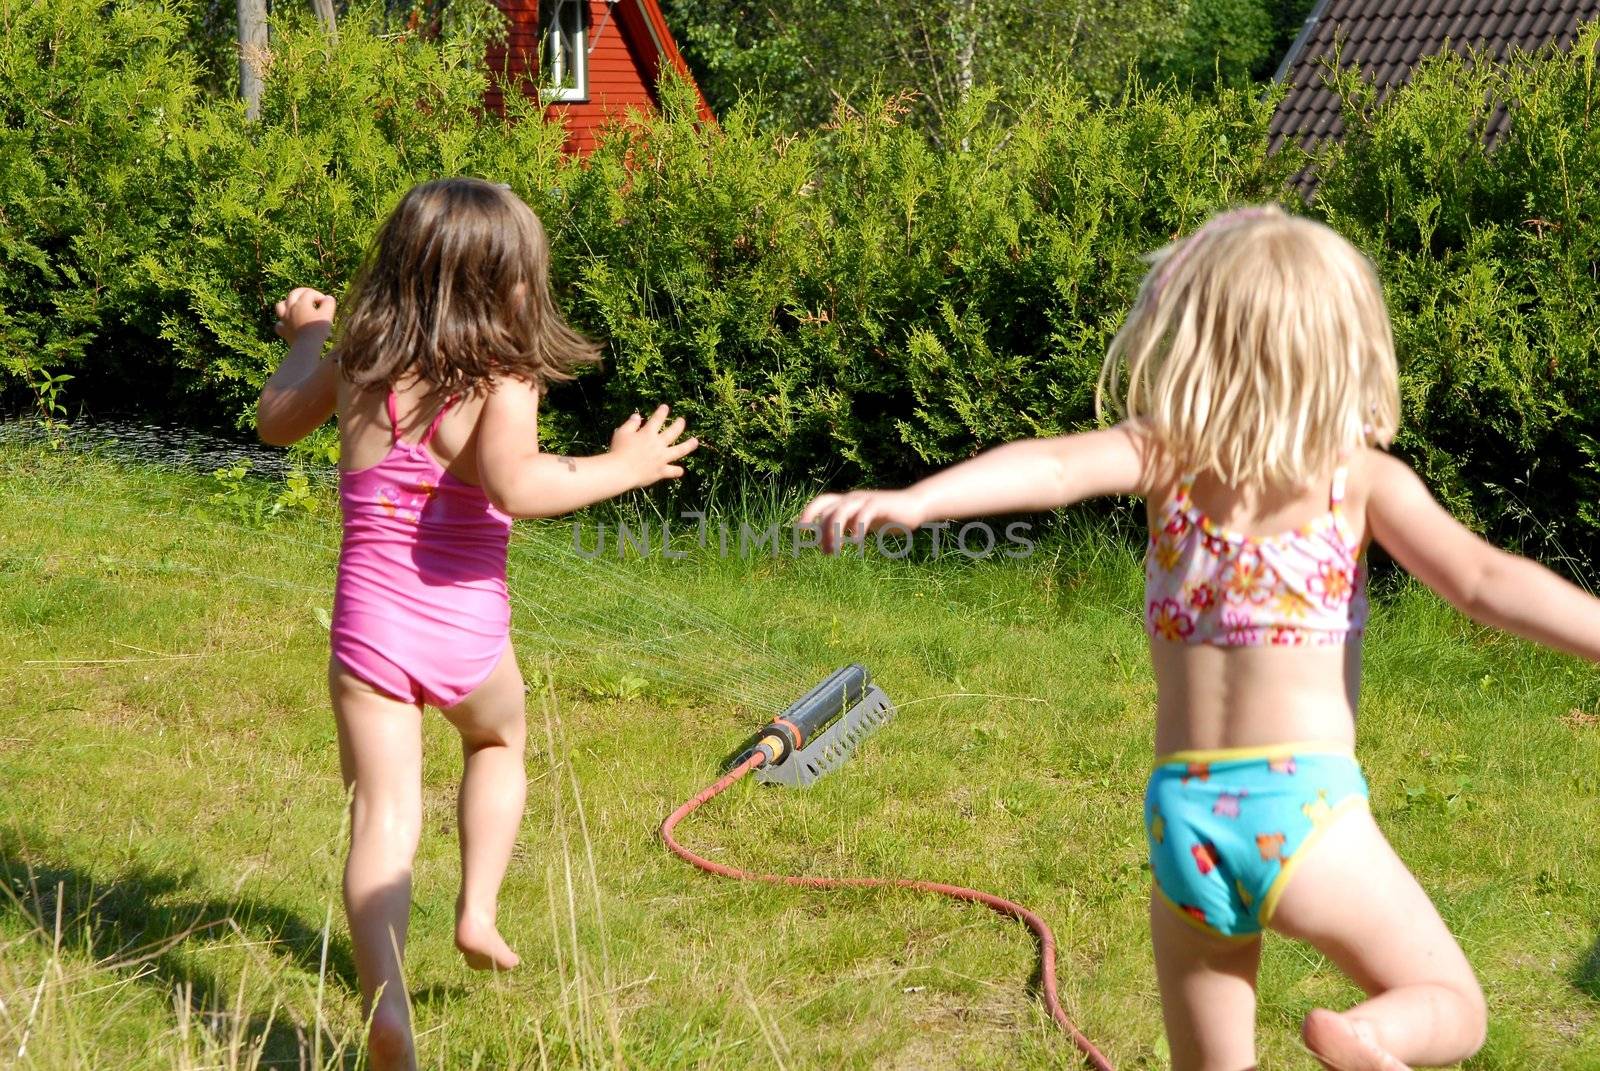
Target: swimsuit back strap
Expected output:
[1336,491]
[394,421]
[1183,497]
[427,436]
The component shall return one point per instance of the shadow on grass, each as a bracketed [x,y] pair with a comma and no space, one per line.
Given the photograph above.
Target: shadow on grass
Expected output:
[437,994]
[145,919]
[1586,979]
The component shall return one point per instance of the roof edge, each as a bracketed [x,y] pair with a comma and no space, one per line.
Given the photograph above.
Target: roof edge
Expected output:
[1298,45]
[655,24]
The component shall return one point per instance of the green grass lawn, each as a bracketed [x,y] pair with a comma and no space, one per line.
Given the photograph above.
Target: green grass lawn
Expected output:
[170,805]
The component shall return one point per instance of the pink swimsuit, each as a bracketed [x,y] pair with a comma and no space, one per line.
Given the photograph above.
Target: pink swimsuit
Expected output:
[420,610]
[1205,584]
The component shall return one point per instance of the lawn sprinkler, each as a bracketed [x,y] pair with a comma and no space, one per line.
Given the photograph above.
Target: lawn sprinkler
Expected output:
[819,732]
[814,736]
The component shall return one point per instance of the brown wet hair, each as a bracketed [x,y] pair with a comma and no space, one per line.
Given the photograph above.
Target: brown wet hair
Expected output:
[455,291]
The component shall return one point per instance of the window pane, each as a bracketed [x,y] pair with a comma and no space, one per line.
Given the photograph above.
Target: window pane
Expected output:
[562,45]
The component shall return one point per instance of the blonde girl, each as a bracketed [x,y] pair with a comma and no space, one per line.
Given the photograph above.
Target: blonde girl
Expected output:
[447,342]
[1256,377]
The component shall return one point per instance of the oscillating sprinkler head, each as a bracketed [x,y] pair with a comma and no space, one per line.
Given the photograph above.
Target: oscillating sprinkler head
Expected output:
[821,729]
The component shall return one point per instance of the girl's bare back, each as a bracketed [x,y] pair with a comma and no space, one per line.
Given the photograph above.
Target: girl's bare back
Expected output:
[364,435]
[1214,696]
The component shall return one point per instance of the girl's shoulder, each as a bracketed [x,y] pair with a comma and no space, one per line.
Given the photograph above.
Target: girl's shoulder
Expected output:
[507,415]
[1373,476]
[509,397]
[1372,469]
[1160,470]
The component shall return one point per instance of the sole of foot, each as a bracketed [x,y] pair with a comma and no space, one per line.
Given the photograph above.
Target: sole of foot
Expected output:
[1345,1045]
[482,946]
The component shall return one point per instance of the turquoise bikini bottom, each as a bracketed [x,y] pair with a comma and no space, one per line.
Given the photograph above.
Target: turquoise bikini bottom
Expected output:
[1227,828]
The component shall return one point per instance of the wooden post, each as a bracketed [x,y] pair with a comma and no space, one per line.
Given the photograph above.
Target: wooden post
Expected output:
[252,54]
[325,15]
[965,26]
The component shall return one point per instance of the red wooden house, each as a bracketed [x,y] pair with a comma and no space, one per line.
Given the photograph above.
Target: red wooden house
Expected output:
[588,60]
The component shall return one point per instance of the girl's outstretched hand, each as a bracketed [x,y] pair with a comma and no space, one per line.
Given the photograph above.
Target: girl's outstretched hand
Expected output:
[853,515]
[649,448]
[303,308]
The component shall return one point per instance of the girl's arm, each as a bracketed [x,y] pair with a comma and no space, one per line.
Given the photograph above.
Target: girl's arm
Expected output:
[1020,477]
[304,389]
[526,482]
[1483,582]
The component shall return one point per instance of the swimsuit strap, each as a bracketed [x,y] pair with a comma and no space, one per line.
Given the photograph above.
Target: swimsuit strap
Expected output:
[427,436]
[1336,491]
[433,427]
[1183,498]
[394,421]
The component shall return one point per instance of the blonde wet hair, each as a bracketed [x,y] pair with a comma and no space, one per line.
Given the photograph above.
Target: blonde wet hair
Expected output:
[1259,349]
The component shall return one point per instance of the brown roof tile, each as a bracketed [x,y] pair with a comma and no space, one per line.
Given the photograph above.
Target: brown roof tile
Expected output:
[1386,38]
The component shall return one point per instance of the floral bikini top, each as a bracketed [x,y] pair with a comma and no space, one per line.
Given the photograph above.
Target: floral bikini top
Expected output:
[1205,584]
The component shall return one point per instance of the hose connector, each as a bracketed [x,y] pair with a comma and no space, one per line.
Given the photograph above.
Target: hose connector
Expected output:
[808,719]
[773,747]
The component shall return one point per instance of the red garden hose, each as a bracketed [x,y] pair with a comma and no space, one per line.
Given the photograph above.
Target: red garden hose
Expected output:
[1041,929]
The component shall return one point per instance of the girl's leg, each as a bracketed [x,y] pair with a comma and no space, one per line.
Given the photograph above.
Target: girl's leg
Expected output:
[1355,900]
[1208,994]
[493,788]
[380,753]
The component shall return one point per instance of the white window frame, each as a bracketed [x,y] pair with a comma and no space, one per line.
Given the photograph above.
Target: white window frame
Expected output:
[563,51]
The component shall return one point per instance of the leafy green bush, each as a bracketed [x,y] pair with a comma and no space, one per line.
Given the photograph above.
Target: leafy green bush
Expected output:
[293,198]
[1491,260]
[799,57]
[858,302]
[93,98]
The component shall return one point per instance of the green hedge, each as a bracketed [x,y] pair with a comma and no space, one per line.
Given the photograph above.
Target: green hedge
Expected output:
[94,105]
[859,302]
[1491,263]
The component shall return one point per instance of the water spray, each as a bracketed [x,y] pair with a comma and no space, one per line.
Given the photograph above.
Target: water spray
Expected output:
[815,735]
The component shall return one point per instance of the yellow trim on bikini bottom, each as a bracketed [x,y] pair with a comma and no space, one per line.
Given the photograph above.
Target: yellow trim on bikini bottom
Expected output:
[1262,751]
[1204,927]
[1269,904]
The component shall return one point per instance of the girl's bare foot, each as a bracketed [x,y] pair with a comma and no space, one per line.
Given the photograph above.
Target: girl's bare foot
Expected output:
[481,944]
[389,1046]
[1346,1044]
